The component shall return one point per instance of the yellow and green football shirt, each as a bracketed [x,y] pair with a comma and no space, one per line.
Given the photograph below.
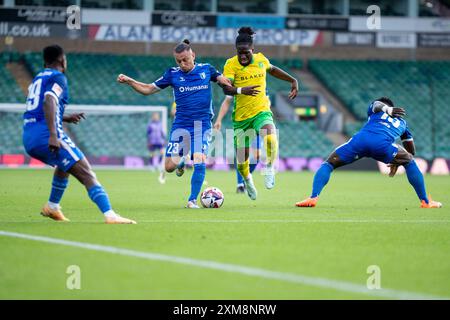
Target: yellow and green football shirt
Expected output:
[246,107]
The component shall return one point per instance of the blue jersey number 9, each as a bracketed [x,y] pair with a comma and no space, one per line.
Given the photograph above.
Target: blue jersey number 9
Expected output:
[395,122]
[33,95]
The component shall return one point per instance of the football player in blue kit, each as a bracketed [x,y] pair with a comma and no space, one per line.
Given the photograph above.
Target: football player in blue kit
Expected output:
[376,140]
[191,128]
[45,139]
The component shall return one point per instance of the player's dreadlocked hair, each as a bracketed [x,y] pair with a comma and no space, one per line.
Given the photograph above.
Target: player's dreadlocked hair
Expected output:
[183,46]
[52,53]
[386,100]
[245,35]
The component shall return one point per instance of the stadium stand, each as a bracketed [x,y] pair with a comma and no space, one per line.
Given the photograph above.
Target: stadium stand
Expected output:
[9,90]
[92,77]
[303,139]
[93,81]
[10,123]
[114,136]
[11,133]
[419,86]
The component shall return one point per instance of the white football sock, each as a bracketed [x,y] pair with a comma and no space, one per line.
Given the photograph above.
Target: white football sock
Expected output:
[110,213]
[53,206]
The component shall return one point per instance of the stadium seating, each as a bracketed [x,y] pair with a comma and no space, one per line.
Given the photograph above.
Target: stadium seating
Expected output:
[420,87]
[92,77]
[93,81]
[9,90]
[11,132]
[303,139]
[112,135]
[10,122]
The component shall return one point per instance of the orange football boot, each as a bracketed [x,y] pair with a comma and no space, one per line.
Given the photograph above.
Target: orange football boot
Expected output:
[310,202]
[430,204]
[55,214]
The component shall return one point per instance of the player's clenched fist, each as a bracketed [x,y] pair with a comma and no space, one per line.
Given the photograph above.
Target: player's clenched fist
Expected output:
[123,78]
[53,143]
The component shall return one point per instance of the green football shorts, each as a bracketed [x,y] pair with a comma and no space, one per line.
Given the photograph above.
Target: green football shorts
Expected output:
[245,131]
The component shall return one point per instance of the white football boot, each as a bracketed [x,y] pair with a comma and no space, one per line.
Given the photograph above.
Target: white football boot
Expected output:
[113,218]
[269,177]
[162,177]
[250,187]
[192,205]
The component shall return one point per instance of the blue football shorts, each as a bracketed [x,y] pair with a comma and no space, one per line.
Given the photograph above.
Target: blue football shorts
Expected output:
[189,139]
[35,141]
[365,145]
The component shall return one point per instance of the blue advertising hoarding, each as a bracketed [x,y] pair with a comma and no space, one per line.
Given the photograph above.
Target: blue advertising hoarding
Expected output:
[257,22]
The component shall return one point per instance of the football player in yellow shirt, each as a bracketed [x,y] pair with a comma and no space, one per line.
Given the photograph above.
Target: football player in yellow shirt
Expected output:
[251,113]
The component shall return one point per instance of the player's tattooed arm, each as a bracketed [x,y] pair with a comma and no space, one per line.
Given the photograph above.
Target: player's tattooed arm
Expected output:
[392,111]
[143,88]
[50,106]
[229,90]
[283,75]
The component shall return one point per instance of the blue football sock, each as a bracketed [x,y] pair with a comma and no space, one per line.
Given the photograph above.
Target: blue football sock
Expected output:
[253,167]
[58,187]
[100,197]
[415,178]
[240,180]
[321,178]
[198,176]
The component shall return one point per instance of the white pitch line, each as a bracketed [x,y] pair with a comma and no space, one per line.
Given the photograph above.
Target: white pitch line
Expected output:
[250,221]
[233,268]
[294,221]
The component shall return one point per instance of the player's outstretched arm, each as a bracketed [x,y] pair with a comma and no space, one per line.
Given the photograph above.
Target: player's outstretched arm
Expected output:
[50,107]
[229,90]
[283,75]
[392,111]
[143,88]
[222,112]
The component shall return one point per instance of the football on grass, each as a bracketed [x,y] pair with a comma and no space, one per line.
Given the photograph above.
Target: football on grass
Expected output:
[212,198]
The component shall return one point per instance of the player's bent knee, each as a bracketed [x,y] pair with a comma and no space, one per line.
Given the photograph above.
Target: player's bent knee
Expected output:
[407,159]
[169,169]
[170,165]
[334,160]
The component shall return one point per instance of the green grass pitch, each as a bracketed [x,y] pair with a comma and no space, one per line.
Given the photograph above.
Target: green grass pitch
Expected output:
[363,219]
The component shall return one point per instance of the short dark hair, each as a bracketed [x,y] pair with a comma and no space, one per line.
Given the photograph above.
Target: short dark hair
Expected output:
[52,53]
[386,100]
[245,35]
[183,46]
